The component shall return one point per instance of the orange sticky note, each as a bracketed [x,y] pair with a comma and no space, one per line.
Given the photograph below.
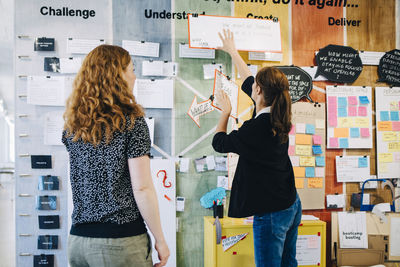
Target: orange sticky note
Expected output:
[384,125]
[303,139]
[299,182]
[299,172]
[341,132]
[315,182]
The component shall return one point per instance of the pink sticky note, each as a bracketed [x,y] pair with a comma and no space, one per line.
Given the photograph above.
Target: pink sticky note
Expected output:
[399,105]
[332,108]
[293,130]
[396,126]
[352,100]
[332,121]
[291,151]
[332,100]
[364,132]
[333,142]
[362,111]
[352,112]
[317,139]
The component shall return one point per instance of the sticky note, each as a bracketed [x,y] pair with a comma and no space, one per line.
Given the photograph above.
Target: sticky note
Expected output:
[342,102]
[317,149]
[303,139]
[300,128]
[310,172]
[352,111]
[361,122]
[295,161]
[362,162]
[299,182]
[383,168]
[396,126]
[292,140]
[346,122]
[384,116]
[310,129]
[394,147]
[299,172]
[291,150]
[362,111]
[333,142]
[319,172]
[354,132]
[343,143]
[352,100]
[317,139]
[364,132]
[332,101]
[307,161]
[389,136]
[332,108]
[342,112]
[363,100]
[315,183]
[341,132]
[385,157]
[385,126]
[394,105]
[394,115]
[293,130]
[303,150]
[320,161]
[333,121]
[319,124]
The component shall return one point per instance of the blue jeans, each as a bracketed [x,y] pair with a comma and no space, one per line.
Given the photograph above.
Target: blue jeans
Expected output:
[275,236]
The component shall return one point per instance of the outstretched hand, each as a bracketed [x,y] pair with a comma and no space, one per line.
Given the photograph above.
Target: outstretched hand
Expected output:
[228,42]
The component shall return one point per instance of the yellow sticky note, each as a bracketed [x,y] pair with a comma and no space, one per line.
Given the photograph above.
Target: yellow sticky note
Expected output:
[299,182]
[394,106]
[394,146]
[383,167]
[299,172]
[384,125]
[385,157]
[345,122]
[389,136]
[307,161]
[341,132]
[303,139]
[361,122]
[303,150]
[315,182]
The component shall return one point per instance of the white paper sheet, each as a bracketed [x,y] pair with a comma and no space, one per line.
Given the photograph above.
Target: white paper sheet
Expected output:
[53,127]
[209,70]
[184,164]
[309,218]
[154,93]
[82,46]
[394,237]
[230,88]
[352,230]
[150,124]
[250,34]
[308,250]
[312,71]
[186,52]
[139,48]
[348,170]
[48,90]
[210,162]
[371,57]
[223,181]
[335,201]
[266,56]
[180,204]
[152,68]
[170,69]
[253,69]
[70,65]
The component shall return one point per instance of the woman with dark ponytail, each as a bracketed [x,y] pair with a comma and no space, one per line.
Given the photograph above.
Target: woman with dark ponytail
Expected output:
[263,184]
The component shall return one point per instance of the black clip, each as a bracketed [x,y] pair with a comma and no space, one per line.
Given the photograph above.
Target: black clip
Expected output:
[312,66]
[142,42]
[182,43]
[150,118]
[150,60]
[229,78]
[275,19]
[152,80]
[204,157]
[180,156]
[195,15]
[48,77]
[211,98]
[364,86]
[213,62]
[165,61]
[237,120]
[317,104]
[101,40]
[70,58]
[151,156]
[70,39]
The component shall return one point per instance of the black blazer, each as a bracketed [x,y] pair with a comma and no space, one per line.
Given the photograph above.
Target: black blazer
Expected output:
[264,179]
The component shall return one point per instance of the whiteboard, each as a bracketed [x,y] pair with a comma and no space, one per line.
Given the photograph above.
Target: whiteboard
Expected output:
[387,101]
[256,35]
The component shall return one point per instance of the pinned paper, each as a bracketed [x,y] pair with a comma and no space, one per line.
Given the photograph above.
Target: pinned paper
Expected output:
[303,150]
[319,124]
[341,132]
[307,161]
[335,201]
[320,161]
[303,139]
[389,136]
[394,115]
[361,122]
[333,142]
[352,100]
[184,164]
[384,126]
[310,129]
[295,161]
[180,204]
[363,100]
[385,157]
[384,116]
[362,111]
[317,140]
[310,172]
[299,183]
[299,172]
[317,150]
[315,182]
[319,172]
[301,128]
[343,143]
[352,111]
[232,240]
[223,181]
[364,132]
[354,132]
[362,162]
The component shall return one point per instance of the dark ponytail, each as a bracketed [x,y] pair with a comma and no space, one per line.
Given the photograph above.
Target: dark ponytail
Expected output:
[275,88]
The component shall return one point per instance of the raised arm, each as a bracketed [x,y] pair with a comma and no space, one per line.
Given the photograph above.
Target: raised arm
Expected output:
[228,45]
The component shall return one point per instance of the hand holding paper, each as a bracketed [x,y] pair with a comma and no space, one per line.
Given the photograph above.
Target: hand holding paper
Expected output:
[224,102]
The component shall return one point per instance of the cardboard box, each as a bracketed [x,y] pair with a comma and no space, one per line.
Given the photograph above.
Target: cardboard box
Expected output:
[359,257]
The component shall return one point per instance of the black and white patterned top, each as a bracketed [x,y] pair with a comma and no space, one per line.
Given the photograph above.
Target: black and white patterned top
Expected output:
[101,186]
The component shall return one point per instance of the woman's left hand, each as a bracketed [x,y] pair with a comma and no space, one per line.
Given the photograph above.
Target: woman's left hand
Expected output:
[224,102]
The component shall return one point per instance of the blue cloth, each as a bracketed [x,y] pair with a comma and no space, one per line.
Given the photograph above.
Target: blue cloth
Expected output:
[207,200]
[275,236]
[384,115]
[354,132]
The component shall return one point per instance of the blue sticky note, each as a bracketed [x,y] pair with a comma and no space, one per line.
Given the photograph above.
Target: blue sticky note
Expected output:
[316,150]
[310,129]
[394,115]
[384,115]
[342,102]
[354,132]
[310,172]
[343,143]
[320,161]
[362,162]
[342,112]
[363,99]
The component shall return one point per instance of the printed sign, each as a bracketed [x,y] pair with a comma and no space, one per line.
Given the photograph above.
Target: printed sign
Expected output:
[232,240]
[389,68]
[199,109]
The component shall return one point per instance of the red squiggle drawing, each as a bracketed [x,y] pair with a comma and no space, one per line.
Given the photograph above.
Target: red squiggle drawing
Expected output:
[164,178]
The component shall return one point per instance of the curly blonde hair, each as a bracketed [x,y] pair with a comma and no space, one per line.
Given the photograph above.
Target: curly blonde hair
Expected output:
[101,101]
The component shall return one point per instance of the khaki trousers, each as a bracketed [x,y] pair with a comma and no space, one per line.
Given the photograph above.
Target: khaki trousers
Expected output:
[106,252]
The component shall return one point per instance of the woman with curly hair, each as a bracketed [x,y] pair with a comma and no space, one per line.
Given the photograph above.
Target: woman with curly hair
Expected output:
[263,184]
[109,145]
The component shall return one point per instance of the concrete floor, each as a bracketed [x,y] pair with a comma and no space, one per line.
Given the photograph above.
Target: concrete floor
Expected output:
[7,221]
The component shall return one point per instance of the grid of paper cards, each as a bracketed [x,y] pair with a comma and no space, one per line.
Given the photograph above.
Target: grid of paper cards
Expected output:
[349,115]
[307,154]
[388,131]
